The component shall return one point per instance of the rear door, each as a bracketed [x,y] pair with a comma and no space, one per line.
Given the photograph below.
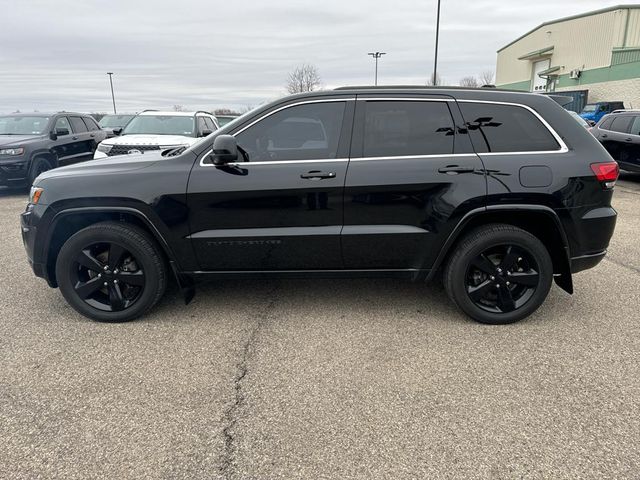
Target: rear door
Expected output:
[616,137]
[411,178]
[280,208]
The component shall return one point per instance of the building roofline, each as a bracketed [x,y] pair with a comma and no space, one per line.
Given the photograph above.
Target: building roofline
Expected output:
[627,6]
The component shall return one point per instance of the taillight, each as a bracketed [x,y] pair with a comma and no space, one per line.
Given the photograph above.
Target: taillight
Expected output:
[606,172]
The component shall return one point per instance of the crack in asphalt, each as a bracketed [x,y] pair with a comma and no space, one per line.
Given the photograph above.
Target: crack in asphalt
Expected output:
[231,414]
[624,265]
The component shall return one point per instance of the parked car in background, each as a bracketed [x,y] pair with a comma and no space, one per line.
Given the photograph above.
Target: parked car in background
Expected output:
[595,111]
[153,130]
[402,182]
[32,143]
[579,119]
[109,123]
[224,119]
[619,133]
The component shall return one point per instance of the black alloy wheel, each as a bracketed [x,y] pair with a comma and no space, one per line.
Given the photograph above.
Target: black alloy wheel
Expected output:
[499,274]
[107,277]
[502,278]
[111,272]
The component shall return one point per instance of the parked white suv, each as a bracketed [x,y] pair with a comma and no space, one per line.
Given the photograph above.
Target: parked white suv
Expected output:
[153,130]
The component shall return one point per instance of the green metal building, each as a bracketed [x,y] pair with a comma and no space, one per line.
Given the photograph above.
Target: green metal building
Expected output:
[595,55]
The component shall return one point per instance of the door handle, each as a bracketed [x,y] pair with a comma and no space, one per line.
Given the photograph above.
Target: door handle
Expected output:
[628,139]
[456,169]
[74,138]
[317,175]
[92,135]
[604,135]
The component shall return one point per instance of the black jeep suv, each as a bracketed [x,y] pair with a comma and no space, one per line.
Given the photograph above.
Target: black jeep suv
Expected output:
[501,191]
[619,133]
[32,143]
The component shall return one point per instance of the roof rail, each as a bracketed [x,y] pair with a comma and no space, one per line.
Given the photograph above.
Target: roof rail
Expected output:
[623,110]
[149,110]
[201,111]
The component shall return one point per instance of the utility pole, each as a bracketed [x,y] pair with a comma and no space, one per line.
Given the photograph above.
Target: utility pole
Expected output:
[376,55]
[113,98]
[434,80]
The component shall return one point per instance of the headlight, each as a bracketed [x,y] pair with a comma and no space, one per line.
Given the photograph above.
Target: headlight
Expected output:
[34,195]
[11,151]
[104,148]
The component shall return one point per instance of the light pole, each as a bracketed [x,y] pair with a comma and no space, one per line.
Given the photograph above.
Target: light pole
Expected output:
[376,55]
[434,80]
[113,98]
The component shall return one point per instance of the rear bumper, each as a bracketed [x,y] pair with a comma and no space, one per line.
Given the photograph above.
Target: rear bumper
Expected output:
[585,262]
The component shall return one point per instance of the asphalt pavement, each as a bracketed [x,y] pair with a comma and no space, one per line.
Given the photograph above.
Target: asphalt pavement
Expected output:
[323,379]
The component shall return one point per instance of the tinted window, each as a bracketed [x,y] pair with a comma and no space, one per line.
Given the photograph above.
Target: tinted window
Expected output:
[621,123]
[506,128]
[635,126]
[209,123]
[90,123]
[62,122]
[606,123]
[202,126]
[303,132]
[397,128]
[78,125]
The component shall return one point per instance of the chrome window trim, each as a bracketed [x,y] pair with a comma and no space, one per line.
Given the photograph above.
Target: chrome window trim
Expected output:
[268,114]
[417,157]
[405,99]
[283,162]
[563,147]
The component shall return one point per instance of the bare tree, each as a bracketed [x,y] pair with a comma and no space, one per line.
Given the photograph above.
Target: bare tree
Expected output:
[304,78]
[178,108]
[486,77]
[434,81]
[469,81]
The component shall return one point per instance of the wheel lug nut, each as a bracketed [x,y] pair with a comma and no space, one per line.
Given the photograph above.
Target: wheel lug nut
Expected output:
[492,278]
[105,268]
[507,283]
[105,284]
[519,259]
[99,275]
[115,281]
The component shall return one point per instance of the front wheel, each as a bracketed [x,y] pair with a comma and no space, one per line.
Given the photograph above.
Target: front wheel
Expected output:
[499,274]
[111,272]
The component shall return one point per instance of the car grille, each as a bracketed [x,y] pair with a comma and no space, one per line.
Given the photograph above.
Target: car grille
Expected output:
[124,149]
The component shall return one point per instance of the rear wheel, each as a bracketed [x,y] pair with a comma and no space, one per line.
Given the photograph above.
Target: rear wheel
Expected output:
[111,272]
[499,274]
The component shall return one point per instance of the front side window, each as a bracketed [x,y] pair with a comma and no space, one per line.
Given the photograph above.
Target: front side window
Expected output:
[62,123]
[405,128]
[621,123]
[506,128]
[22,125]
[161,125]
[303,132]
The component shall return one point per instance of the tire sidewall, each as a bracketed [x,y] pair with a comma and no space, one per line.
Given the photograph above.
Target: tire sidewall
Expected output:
[32,170]
[86,237]
[520,239]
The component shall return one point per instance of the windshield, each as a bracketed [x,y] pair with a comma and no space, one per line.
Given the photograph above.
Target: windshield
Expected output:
[589,108]
[161,125]
[113,121]
[21,125]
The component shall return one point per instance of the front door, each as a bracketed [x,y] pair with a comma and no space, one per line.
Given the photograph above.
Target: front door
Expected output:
[413,174]
[280,206]
[64,146]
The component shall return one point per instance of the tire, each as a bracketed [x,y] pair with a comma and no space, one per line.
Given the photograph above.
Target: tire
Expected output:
[511,286]
[38,165]
[111,272]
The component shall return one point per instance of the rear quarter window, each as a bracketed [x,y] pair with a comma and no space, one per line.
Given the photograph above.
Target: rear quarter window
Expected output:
[621,123]
[506,128]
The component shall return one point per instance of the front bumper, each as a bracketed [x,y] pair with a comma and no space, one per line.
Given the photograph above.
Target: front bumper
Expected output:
[13,173]
[29,233]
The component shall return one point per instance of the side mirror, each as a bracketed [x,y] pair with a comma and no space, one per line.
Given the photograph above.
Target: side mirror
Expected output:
[52,135]
[61,132]
[206,132]
[117,131]
[225,150]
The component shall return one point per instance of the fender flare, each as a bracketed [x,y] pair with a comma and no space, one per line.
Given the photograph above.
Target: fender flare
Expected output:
[564,279]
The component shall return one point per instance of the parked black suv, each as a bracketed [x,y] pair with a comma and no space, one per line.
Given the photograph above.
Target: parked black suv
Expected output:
[619,132]
[32,143]
[501,191]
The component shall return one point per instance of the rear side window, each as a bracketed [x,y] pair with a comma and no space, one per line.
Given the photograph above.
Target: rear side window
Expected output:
[90,123]
[506,128]
[621,123]
[78,125]
[635,126]
[401,128]
[209,123]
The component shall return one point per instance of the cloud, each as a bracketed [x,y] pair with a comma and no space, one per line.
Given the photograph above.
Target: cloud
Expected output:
[205,54]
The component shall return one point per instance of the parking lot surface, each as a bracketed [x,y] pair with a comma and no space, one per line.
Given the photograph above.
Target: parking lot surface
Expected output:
[323,379]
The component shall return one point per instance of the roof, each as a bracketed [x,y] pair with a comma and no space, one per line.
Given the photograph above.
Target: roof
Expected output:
[173,114]
[573,17]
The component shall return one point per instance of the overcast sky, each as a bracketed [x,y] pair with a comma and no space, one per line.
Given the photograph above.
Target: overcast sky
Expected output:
[204,54]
